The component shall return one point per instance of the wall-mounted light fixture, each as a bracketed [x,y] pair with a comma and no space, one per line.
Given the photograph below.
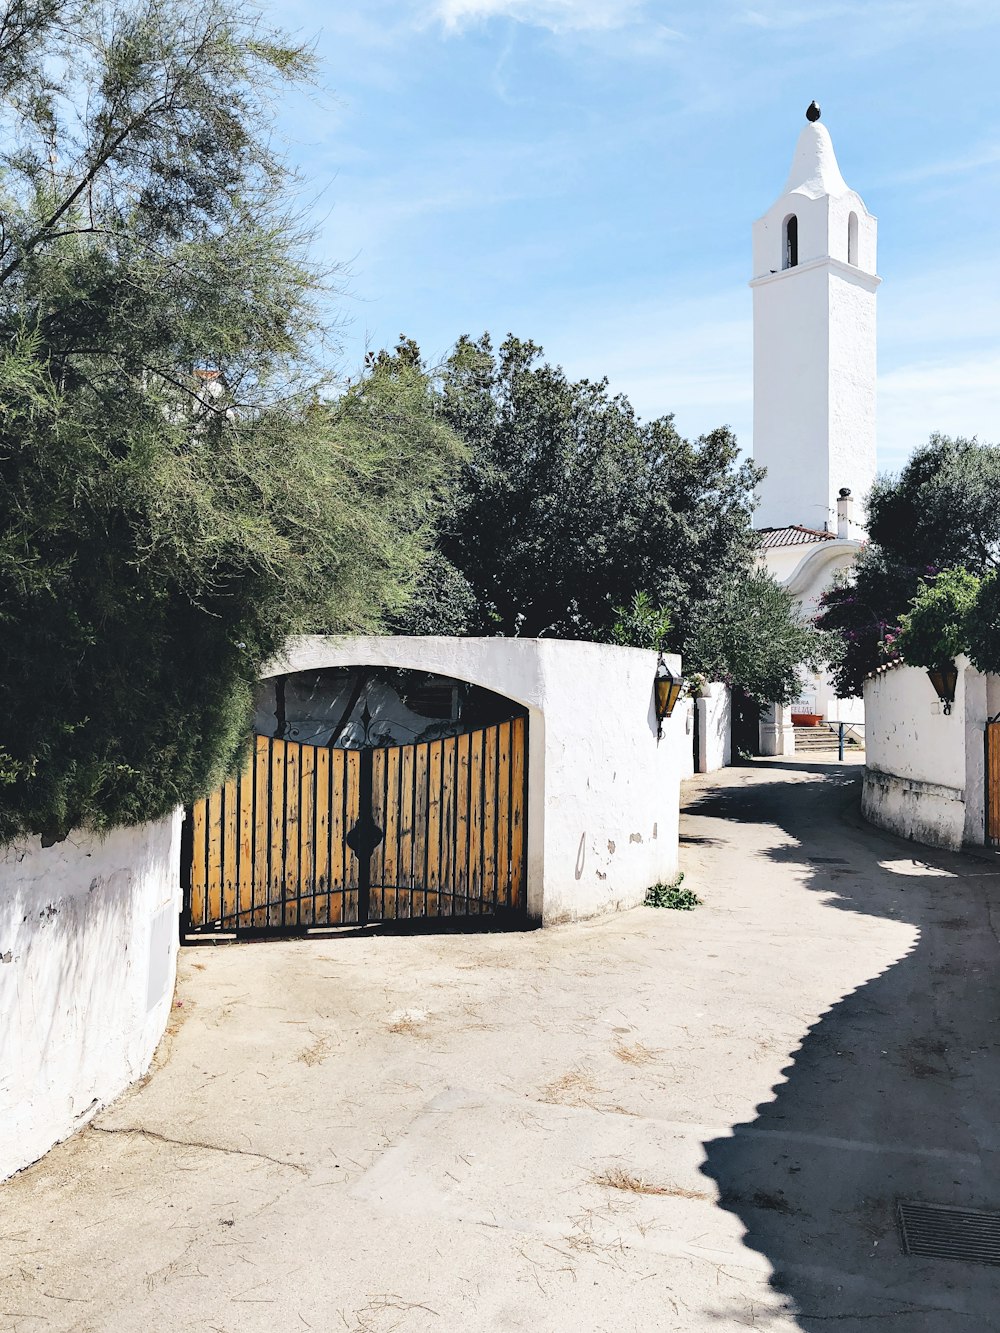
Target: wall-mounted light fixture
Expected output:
[667,688]
[944,679]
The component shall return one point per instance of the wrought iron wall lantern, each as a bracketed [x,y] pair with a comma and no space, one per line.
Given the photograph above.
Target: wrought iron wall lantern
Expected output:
[944,679]
[667,688]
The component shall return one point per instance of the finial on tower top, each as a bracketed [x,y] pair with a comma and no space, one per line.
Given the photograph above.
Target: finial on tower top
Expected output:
[813,111]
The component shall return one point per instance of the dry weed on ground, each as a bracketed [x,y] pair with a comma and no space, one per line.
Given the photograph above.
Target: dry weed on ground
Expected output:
[316,1053]
[636,1054]
[575,1088]
[619,1178]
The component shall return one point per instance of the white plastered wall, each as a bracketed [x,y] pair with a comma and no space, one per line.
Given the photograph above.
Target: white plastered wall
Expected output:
[791,339]
[715,721]
[925,774]
[88,954]
[603,793]
[814,391]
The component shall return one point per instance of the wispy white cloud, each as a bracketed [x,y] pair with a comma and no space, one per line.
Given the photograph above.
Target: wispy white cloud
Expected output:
[953,395]
[900,16]
[986,156]
[785,16]
[673,353]
[556,15]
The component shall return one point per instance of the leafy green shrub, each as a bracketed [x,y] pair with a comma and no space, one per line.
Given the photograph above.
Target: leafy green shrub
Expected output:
[935,629]
[673,896]
[642,624]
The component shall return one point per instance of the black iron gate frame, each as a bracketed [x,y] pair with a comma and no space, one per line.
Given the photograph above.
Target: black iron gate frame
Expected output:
[361,840]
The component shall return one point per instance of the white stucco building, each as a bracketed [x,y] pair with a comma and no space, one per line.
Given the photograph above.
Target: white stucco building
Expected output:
[814,286]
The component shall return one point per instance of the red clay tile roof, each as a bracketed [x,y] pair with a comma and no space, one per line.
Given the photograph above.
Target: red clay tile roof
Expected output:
[795,535]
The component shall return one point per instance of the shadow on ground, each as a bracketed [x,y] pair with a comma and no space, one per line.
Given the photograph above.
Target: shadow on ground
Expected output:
[893,1094]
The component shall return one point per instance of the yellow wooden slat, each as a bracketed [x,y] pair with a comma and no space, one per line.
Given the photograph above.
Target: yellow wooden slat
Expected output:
[291,887]
[245,873]
[199,862]
[307,833]
[390,856]
[446,897]
[276,838]
[993,780]
[404,896]
[435,755]
[418,898]
[230,827]
[517,812]
[322,843]
[476,820]
[262,834]
[338,850]
[214,886]
[353,784]
[489,818]
[377,862]
[503,814]
[462,825]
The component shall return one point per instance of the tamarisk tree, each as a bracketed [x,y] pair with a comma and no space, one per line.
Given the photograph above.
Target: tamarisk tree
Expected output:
[177,492]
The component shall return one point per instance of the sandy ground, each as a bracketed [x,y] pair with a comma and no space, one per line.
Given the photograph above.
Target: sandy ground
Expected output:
[656,1121]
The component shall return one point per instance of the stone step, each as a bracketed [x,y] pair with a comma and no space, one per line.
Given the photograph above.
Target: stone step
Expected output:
[822,738]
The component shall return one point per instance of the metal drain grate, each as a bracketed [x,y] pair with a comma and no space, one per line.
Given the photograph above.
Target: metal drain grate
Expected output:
[950,1233]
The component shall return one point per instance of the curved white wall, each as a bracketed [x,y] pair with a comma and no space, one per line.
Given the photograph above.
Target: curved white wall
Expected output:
[603,795]
[88,953]
[924,775]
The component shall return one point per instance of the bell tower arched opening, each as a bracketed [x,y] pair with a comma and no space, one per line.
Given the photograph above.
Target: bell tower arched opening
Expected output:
[790,235]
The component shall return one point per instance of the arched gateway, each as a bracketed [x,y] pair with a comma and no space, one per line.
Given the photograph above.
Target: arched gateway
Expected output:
[399,778]
[371,793]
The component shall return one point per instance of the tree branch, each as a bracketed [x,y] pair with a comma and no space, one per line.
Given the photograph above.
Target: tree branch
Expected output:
[104,156]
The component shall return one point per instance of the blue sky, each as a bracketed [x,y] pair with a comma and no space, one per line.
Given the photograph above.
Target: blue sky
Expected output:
[585,173]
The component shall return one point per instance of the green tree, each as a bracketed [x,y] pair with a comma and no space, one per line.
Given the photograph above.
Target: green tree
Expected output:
[936,628]
[574,518]
[176,495]
[939,513]
[983,626]
[752,635]
[569,504]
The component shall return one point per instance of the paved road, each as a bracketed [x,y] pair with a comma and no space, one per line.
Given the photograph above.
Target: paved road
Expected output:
[658,1121]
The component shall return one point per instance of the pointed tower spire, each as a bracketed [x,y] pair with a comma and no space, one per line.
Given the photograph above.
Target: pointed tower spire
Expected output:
[814,340]
[815,170]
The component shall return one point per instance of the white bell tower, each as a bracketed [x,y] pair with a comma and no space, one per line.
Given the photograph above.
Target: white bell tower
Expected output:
[814,343]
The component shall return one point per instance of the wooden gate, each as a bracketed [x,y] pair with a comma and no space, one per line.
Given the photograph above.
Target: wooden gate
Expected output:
[993,782]
[312,837]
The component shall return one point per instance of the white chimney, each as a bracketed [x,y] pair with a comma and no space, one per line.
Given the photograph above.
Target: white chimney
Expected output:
[845,514]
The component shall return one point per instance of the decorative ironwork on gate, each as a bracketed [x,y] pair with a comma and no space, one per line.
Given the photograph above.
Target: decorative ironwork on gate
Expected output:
[311,837]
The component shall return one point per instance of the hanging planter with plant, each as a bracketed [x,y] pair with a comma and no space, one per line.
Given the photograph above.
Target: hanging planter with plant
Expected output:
[934,631]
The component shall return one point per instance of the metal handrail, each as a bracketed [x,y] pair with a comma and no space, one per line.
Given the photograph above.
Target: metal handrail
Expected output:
[841,727]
